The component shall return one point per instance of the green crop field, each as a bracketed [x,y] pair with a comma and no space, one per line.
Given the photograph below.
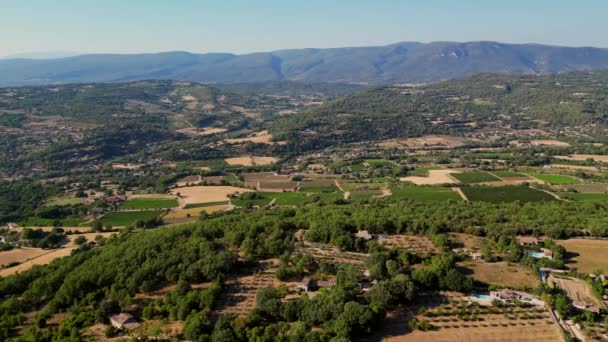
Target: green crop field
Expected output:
[292,198]
[357,167]
[45,222]
[362,186]
[149,203]
[505,194]
[318,189]
[555,179]
[377,162]
[508,174]
[127,218]
[329,197]
[231,178]
[581,197]
[423,171]
[261,199]
[364,195]
[425,193]
[59,201]
[203,205]
[475,177]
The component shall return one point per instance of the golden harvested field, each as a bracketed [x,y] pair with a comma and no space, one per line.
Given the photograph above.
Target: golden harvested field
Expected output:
[549,142]
[202,131]
[118,166]
[194,212]
[20,255]
[40,260]
[251,160]
[574,167]
[435,177]
[425,141]
[88,236]
[188,180]
[501,274]
[206,194]
[261,137]
[596,157]
[586,255]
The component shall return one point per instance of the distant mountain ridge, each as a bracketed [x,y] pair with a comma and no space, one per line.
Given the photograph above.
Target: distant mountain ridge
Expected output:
[405,62]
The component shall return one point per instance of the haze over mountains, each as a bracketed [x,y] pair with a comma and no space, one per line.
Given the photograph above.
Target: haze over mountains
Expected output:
[397,63]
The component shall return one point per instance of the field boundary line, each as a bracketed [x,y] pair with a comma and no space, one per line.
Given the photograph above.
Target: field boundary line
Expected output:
[459,192]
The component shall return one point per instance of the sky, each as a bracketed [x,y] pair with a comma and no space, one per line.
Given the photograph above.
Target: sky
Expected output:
[243,26]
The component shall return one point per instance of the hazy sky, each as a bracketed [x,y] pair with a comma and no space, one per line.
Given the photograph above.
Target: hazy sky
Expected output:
[241,26]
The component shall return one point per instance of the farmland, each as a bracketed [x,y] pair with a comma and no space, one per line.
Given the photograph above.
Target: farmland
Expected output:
[590,187]
[127,218]
[42,259]
[424,193]
[555,179]
[475,177]
[206,194]
[418,244]
[501,274]
[586,255]
[577,289]
[435,177]
[149,203]
[505,194]
[508,174]
[584,197]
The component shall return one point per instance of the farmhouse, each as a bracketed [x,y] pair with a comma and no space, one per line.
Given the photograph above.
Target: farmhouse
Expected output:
[309,285]
[116,199]
[124,320]
[528,240]
[547,253]
[506,295]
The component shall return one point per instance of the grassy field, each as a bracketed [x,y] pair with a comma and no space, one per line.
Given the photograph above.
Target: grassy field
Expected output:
[424,193]
[149,203]
[350,186]
[377,162]
[475,177]
[231,178]
[262,199]
[292,198]
[501,274]
[357,167]
[506,194]
[555,179]
[423,171]
[586,255]
[127,218]
[43,222]
[204,205]
[508,174]
[59,201]
[579,197]
[319,189]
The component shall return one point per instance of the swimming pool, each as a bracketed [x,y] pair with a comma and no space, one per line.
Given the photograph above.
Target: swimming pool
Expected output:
[537,255]
[482,296]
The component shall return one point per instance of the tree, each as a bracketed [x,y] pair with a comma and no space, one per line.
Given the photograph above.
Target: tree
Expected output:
[80,240]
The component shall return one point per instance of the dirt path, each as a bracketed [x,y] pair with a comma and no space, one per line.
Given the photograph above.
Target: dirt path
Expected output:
[346,195]
[459,192]
[272,202]
[385,193]
[338,185]
[554,195]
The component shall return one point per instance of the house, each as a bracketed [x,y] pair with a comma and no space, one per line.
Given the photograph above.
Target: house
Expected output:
[97,211]
[307,284]
[324,284]
[477,256]
[528,240]
[124,321]
[116,199]
[506,295]
[364,234]
[547,252]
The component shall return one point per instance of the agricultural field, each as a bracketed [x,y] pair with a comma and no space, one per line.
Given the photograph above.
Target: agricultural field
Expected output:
[42,259]
[418,244]
[62,200]
[149,203]
[364,195]
[127,218]
[435,177]
[424,193]
[501,274]
[178,215]
[555,179]
[577,289]
[332,255]
[475,177]
[583,157]
[19,255]
[509,174]
[377,162]
[45,222]
[292,198]
[509,193]
[250,161]
[206,194]
[589,187]
[586,255]
[584,197]
[269,181]
[423,171]
[352,186]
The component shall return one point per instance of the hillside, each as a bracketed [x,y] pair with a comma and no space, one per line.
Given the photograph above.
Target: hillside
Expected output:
[397,63]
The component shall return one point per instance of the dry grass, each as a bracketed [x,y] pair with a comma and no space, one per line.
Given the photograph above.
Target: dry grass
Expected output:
[549,142]
[202,131]
[20,255]
[587,255]
[206,194]
[596,157]
[251,160]
[425,141]
[577,289]
[502,274]
[119,166]
[40,260]
[435,177]
[261,137]
[418,244]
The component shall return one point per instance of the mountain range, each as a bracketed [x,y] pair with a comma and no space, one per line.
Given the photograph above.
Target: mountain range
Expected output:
[407,62]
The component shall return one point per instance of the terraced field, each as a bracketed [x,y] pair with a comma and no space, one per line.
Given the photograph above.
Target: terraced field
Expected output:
[590,187]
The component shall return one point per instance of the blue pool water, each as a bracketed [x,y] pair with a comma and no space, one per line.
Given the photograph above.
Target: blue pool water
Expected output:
[482,296]
[536,254]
